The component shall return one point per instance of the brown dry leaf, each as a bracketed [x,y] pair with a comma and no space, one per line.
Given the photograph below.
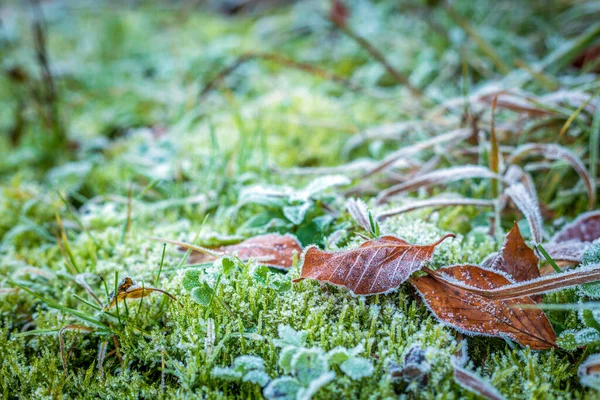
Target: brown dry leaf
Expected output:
[377,266]
[273,250]
[464,310]
[586,228]
[573,239]
[129,289]
[516,258]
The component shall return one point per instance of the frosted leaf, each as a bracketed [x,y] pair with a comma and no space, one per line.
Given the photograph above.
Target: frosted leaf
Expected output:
[191,279]
[357,368]
[358,210]
[309,364]
[249,363]
[284,388]
[202,294]
[591,255]
[338,355]
[356,350]
[590,289]
[319,185]
[296,214]
[226,373]
[288,336]
[285,358]
[572,339]
[258,377]
[377,266]
[529,208]
[271,196]
[226,264]
[588,372]
[315,385]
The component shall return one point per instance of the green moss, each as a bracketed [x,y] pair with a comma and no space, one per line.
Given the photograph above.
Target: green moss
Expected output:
[129,84]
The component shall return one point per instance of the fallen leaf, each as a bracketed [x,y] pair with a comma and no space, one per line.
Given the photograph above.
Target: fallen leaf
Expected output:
[573,239]
[273,250]
[586,274]
[129,289]
[464,310]
[377,266]
[515,258]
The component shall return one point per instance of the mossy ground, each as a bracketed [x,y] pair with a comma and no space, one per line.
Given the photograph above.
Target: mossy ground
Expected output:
[129,80]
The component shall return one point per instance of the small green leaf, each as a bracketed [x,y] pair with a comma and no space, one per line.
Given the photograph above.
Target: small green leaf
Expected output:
[308,392]
[249,363]
[226,373]
[284,388]
[591,255]
[357,368]
[227,265]
[572,339]
[288,336]
[191,279]
[338,355]
[590,289]
[258,377]
[285,358]
[309,364]
[202,294]
[296,214]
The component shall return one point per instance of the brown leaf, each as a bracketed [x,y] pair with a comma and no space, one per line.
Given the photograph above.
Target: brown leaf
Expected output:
[129,289]
[377,266]
[274,250]
[464,310]
[586,228]
[588,274]
[516,259]
[573,239]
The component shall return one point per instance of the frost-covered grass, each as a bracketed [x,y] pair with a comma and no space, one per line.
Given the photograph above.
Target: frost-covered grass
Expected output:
[148,158]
